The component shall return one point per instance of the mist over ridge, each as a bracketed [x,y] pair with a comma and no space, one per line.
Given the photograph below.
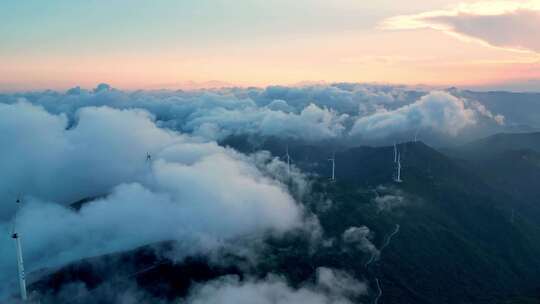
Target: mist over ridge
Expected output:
[207,170]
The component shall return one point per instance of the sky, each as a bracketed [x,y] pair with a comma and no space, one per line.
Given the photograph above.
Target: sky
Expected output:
[141,44]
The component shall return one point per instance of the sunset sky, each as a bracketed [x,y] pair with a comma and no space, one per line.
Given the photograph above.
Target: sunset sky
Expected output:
[171,44]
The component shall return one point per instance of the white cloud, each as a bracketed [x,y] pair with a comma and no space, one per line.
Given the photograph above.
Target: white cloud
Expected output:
[388,202]
[312,123]
[331,287]
[311,113]
[41,157]
[360,239]
[193,191]
[437,111]
[482,110]
[506,24]
[339,282]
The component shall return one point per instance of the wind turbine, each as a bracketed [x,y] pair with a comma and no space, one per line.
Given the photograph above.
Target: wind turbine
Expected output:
[398,169]
[288,157]
[395,153]
[20,264]
[333,160]
[416,134]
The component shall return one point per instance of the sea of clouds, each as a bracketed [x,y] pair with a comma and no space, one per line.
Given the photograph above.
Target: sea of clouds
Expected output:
[348,112]
[190,190]
[61,147]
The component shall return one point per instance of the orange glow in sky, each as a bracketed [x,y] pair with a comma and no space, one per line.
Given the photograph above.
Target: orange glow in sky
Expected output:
[445,43]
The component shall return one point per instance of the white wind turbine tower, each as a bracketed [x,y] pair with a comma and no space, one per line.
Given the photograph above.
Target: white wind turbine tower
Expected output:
[288,157]
[20,265]
[416,134]
[333,160]
[398,169]
[395,153]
